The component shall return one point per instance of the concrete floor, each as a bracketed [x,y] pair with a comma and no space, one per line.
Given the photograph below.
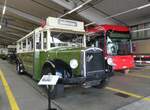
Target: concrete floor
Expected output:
[31,97]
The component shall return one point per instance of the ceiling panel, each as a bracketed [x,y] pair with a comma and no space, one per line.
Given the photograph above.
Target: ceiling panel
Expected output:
[44,8]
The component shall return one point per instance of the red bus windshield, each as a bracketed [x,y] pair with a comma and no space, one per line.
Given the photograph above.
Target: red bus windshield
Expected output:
[117,43]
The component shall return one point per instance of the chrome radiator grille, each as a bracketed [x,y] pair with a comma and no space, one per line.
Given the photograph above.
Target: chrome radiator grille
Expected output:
[94,62]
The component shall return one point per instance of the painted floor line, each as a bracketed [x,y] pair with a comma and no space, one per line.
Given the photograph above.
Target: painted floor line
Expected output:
[128,93]
[141,76]
[11,98]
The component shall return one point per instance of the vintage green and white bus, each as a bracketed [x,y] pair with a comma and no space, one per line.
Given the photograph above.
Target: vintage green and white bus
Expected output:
[59,48]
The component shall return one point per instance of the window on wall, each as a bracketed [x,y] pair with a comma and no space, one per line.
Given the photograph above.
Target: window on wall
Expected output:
[45,40]
[134,34]
[141,33]
[147,32]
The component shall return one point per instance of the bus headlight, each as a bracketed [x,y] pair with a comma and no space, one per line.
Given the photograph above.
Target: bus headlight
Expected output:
[73,63]
[110,61]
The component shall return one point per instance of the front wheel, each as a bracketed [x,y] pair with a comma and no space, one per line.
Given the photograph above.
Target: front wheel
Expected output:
[110,71]
[102,83]
[56,90]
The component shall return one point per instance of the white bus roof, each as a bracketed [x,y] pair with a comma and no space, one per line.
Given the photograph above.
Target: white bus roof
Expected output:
[65,24]
[60,24]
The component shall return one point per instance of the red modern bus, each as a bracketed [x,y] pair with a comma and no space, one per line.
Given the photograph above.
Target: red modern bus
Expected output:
[115,41]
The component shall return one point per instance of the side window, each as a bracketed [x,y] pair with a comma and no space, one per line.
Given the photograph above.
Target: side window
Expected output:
[38,40]
[30,43]
[45,40]
[19,46]
[24,44]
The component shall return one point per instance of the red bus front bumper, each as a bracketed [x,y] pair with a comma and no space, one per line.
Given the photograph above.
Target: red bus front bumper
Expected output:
[123,62]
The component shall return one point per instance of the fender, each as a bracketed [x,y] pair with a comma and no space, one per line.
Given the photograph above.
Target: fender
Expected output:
[49,64]
[59,66]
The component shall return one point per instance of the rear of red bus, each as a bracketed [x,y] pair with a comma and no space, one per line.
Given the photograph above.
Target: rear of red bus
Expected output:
[116,44]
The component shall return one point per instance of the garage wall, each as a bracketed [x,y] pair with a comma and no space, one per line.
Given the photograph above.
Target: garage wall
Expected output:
[141,40]
[141,46]
[142,34]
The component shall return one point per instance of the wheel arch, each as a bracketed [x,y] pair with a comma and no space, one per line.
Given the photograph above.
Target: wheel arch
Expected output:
[57,65]
[48,64]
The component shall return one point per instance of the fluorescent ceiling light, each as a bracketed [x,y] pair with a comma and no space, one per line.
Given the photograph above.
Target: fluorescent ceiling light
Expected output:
[4,10]
[0,26]
[144,6]
[145,29]
[80,6]
[75,9]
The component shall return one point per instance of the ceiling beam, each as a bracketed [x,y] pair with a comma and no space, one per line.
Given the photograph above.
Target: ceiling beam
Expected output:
[3,41]
[22,14]
[11,30]
[12,34]
[15,34]
[16,27]
[5,38]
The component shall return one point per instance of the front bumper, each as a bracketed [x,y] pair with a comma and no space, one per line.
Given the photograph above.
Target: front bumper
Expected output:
[83,80]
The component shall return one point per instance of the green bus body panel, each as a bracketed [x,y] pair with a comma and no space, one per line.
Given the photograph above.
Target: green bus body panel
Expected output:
[27,60]
[67,55]
[33,62]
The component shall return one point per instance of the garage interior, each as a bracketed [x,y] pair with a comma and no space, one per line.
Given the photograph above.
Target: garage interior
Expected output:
[125,90]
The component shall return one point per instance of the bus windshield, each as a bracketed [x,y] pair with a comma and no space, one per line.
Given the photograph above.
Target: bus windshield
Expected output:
[118,43]
[66,39]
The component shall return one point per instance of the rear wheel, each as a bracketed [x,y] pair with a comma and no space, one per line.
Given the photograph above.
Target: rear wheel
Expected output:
[18,68]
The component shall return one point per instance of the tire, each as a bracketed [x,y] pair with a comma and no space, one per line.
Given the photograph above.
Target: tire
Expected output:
[56,90]
[102,84]
[110,71]
[18,68]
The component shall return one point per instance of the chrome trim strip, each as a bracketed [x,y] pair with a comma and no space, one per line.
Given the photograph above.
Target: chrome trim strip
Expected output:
[84,63]
[93,48]
[95,71]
